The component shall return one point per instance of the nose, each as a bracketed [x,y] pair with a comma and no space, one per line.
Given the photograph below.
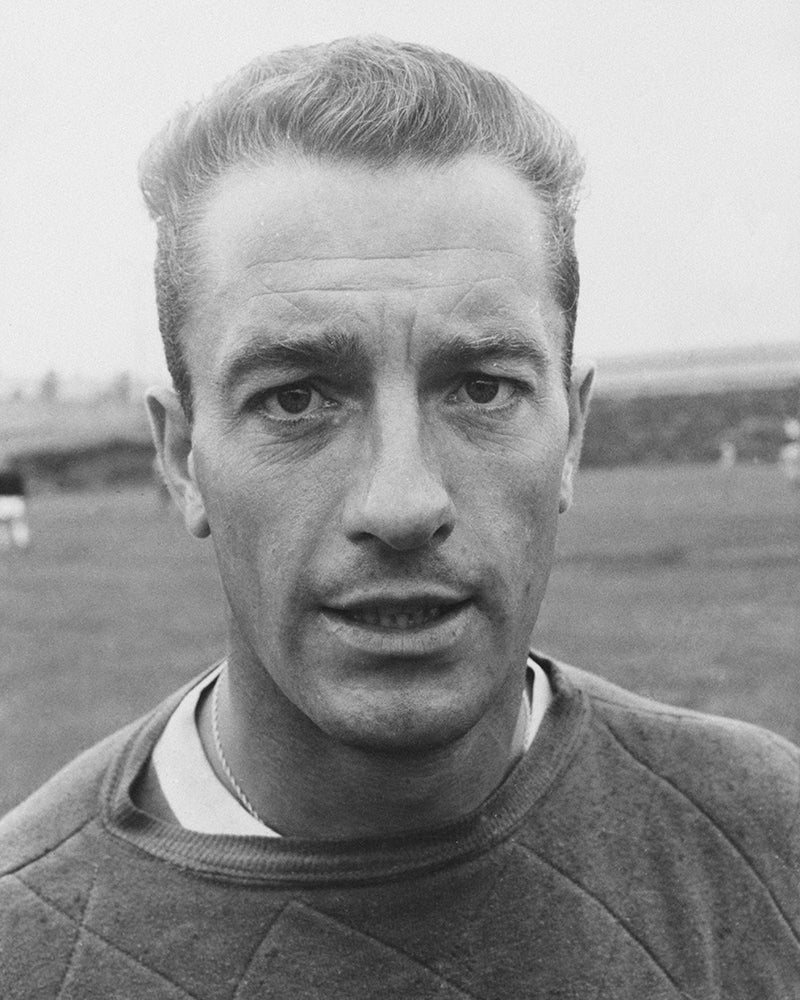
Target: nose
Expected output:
[399,496]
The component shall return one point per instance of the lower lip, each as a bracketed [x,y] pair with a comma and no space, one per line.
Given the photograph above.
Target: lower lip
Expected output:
[425,640]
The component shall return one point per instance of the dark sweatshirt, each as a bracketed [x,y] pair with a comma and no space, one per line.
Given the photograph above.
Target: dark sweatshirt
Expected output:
[637,851]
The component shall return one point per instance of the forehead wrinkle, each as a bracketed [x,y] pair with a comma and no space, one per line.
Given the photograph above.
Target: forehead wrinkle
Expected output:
[423,252]
[287,298]
[285,275]
[491,295]
[267,285]
[353,288]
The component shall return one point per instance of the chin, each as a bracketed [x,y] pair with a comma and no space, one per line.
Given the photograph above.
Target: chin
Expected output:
[402,729]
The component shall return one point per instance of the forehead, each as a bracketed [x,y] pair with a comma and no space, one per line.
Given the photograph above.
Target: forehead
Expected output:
[298,242]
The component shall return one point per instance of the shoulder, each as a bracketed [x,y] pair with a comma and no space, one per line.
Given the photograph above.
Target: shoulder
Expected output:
[52,848]
[76,796]
[65,804]
[663,734]
[742,778]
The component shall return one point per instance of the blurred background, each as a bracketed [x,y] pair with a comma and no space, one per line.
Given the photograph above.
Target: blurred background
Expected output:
[678,571]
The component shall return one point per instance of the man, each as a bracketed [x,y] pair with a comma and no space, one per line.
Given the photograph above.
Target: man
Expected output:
[367,293]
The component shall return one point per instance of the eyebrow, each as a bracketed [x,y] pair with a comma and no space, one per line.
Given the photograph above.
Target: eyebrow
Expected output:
[339,352]
[326,351]
[459,353]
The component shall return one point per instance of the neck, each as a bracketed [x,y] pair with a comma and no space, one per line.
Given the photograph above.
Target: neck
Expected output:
[303,783]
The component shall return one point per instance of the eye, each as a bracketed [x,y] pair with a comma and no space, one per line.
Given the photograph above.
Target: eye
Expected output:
[287,401]
[485,390]
[295,399]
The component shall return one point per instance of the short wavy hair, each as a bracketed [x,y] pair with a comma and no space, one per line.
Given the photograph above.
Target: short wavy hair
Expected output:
[366,100]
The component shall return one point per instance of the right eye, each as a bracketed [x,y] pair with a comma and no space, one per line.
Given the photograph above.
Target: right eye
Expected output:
[288,402]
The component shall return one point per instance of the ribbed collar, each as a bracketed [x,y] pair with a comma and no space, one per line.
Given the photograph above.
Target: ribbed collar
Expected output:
[295,861]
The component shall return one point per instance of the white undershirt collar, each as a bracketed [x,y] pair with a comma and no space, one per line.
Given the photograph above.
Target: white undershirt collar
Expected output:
[198,799]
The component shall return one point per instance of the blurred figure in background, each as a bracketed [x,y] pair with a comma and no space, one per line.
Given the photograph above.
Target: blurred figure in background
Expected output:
[727,455]
[14,529]
[790,452]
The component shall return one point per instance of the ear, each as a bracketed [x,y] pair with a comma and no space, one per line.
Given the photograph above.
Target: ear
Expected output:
[580,390]
[172,436]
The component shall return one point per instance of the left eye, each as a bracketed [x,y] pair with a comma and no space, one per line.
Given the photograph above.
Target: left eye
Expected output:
[484,389]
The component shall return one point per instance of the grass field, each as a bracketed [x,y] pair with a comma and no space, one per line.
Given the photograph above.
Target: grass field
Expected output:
[682,583]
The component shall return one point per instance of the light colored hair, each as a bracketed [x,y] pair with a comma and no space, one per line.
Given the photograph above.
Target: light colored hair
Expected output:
[366,100]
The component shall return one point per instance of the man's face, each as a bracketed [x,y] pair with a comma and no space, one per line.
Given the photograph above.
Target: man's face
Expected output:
[381,439]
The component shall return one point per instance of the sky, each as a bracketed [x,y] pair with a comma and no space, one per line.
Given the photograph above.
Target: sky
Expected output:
[687,114]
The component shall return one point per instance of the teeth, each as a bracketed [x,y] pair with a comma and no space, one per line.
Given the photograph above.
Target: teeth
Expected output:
[389,618]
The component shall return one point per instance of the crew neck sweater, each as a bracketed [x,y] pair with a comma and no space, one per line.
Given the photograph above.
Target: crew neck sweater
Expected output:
[635,851]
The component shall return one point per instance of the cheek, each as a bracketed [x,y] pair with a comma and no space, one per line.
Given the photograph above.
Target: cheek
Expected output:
[516,504]
[519,486]
[259,529]
[266,521]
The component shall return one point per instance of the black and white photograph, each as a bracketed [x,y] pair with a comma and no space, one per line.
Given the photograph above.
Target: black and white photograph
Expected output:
[400,501]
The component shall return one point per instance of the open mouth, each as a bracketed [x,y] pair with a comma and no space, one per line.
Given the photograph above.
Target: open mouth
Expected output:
[401,617]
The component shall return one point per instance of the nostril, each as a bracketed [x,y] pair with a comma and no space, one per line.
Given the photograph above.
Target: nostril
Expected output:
[444,531]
